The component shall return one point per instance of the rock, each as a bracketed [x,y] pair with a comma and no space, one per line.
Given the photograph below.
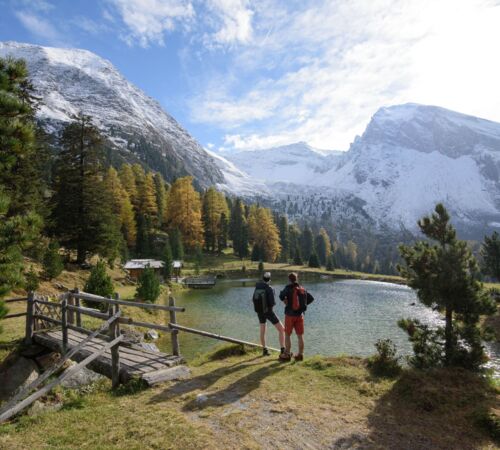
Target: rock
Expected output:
[150,347]
[201,398]
[170,374]
[20,373]
[83,377]
[47,360]
[131,336]
[151,334]
[33,351]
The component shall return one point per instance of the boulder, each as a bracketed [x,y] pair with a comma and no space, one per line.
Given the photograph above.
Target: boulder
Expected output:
[131,336]
[21,372]
[152,335]
[83,377]
[150,347]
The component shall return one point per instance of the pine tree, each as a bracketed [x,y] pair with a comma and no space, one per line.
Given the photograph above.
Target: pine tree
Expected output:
[167,259]
[323,246]
[306,243]
[256,253]
[148,288]
[297,258]
[176,244]
[99,282]
[143,239]
[330,263]
[222,233]
[161,198]
[445,276]
[52,261]
[82,215]
[184,212]
[32,281]
[490,252]
[314,260]
[284,231]
[198,261]
[20,201]
[238,230]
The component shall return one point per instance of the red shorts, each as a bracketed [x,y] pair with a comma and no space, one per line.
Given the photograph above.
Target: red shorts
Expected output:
[294,323]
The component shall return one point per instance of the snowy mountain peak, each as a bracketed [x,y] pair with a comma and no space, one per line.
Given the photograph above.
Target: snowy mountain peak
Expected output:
[70,81]
[430,129]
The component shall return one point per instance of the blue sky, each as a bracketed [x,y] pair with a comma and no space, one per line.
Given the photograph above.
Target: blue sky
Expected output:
[242,74]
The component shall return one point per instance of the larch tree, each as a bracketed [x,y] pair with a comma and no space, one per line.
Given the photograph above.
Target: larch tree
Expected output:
[127,178]
[161,198]
[264,232]
[121,205]
[184,212]
[213,207]
[445,275]
[148,206]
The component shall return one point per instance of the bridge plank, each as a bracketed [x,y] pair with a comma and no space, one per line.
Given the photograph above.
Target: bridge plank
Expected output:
[134,361]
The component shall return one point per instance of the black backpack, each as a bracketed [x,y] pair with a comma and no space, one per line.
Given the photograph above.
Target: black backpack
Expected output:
[260,301]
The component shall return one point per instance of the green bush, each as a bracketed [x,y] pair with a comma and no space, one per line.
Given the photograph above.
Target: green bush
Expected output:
[52,261]
[261,266]
[99,283]
[32,281]
[385,363]
[148,288]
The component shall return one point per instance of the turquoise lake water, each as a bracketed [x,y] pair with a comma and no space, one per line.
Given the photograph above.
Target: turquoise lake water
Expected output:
[347,316]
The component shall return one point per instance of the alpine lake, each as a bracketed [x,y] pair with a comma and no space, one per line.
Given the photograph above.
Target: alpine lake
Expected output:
[347,317]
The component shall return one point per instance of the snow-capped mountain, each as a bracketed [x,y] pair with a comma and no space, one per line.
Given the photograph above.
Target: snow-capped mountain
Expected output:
[409,158]
[70,81]
[295,163]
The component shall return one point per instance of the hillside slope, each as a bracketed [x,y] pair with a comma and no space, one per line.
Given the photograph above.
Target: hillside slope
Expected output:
[70,81]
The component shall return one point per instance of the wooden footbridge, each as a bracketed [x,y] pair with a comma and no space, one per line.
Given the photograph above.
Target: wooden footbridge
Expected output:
[59,326]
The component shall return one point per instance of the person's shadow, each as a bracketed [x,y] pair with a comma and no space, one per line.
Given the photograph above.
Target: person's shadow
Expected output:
[234,391]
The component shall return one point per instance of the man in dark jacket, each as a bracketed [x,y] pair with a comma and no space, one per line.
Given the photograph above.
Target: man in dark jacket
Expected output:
[264,302]
[295,298]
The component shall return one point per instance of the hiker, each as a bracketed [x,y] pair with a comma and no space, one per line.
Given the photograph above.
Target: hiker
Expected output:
[263,300]
[296,299]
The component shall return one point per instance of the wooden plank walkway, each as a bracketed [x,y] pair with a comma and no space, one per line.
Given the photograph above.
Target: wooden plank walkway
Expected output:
[134,360]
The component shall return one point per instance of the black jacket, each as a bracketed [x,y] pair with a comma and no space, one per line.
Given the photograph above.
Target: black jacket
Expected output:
[287,293]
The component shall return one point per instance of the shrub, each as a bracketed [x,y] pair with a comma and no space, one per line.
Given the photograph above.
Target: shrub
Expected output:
[52,261]
[32,281]
[314,260]
[99,283]
[330,264]
[261,266]
[148,288]
[385,363]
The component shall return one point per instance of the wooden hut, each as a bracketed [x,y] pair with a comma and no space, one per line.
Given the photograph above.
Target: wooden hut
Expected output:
[135,267]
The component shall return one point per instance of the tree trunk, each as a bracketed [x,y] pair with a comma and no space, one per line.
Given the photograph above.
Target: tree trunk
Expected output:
[448,331]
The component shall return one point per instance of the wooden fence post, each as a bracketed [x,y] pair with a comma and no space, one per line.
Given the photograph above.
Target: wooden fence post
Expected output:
[64,323]
[30,319]
[78,304]
[174,333]
[114,332]
[71,314]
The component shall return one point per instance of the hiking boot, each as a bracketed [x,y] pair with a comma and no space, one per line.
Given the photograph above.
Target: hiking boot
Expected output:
[265,352]
[298,357]
[285,356]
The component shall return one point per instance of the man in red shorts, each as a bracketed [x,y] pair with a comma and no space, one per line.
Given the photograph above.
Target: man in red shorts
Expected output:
[295,298]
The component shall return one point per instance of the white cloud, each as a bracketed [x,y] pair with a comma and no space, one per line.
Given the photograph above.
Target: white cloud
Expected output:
[148,20]
[39,26]
[318,72]
[234,21]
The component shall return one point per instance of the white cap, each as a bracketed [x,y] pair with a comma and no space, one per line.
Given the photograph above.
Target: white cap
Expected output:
[267,275]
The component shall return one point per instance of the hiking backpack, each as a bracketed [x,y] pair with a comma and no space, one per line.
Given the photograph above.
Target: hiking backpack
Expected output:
[260,301]
[300,299]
